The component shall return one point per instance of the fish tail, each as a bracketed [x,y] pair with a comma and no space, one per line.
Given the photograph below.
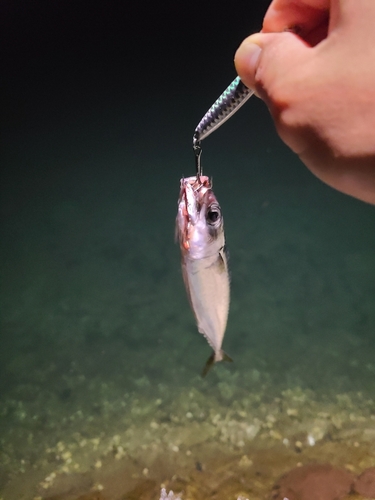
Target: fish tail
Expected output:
[215,358]
[222,356]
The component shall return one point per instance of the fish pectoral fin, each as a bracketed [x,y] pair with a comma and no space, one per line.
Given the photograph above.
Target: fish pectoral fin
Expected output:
[215,358]
[219,264]
[222,260]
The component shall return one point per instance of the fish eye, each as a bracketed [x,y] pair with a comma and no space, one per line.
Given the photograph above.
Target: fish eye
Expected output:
[213,215]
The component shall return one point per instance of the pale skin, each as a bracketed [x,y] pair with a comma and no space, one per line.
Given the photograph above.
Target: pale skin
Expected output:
[313,64]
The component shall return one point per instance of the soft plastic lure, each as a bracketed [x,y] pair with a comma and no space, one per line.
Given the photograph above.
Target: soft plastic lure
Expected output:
[222,109]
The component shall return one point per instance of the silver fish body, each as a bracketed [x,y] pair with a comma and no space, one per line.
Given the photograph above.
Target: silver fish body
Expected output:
[200,233]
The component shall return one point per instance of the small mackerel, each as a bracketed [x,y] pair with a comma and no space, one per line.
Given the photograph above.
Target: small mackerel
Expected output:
[200,233]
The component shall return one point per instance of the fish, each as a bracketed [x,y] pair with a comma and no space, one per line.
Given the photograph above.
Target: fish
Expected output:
[204,261]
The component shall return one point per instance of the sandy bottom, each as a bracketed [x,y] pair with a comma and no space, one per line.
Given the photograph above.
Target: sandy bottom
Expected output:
[190,442]
[100,391]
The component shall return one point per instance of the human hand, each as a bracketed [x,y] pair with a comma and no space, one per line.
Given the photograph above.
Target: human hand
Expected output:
[318,80]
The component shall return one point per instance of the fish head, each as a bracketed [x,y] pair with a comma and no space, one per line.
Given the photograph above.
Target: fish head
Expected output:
[199,223]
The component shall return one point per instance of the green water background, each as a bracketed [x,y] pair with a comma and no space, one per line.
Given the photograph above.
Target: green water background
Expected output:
[98,123]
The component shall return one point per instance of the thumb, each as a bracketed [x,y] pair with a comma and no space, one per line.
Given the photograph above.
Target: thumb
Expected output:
[266,62]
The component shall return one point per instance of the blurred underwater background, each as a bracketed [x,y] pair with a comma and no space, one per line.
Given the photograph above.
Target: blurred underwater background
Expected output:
[100,359]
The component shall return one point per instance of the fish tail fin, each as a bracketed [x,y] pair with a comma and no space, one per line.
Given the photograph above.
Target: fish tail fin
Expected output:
[215,358]
[225,357]
[209,364]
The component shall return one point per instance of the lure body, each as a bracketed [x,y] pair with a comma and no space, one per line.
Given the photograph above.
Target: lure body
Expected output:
[223,108]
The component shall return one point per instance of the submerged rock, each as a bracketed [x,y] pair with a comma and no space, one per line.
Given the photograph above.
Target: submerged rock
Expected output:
[314,482]
[365,484]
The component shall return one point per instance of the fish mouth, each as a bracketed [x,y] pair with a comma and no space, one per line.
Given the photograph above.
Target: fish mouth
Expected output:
[189,208]
[196,182]
[195,192]
[199,213]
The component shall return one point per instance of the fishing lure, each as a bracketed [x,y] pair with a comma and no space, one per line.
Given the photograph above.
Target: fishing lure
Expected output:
[230,101]
[200,232]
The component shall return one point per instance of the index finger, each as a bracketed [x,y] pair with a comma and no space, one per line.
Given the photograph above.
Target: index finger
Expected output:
[307,15]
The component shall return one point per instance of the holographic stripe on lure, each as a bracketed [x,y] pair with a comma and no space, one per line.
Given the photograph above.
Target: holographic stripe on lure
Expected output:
[223,108]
